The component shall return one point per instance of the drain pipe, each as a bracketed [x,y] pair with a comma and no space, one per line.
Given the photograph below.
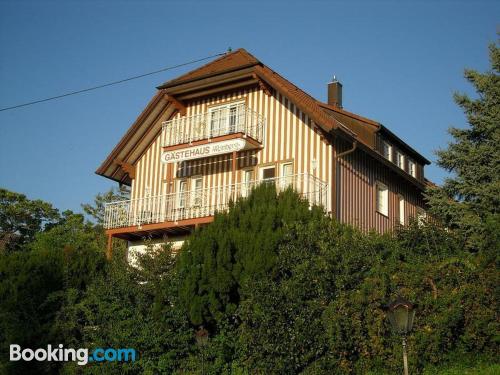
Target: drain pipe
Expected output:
[354,147]
[336,179]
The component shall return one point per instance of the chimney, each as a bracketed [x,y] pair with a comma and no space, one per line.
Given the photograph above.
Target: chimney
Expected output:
[335,93]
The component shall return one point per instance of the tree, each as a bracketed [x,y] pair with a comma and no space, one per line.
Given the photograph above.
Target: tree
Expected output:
[239,245]
[21,218]
[137,307]
[40,286]
[96,209]
[471,197]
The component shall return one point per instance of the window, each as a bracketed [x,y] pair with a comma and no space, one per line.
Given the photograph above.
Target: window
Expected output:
[247,180]
[182,192]
[382,198]
[412,168]
[401,210]
[268,173]
[287,173]
[387,150]
[197,191]
[226,119]
[400,160]
[421,217]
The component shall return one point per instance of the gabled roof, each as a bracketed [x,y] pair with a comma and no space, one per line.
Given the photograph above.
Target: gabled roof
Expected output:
[241,65]
[236,60]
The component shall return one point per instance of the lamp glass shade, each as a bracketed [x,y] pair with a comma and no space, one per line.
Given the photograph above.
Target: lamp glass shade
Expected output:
[411,316]
[401,319]
[201,337]
[401,314]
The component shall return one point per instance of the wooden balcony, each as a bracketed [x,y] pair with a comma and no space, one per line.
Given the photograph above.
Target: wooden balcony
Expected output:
[219,124]
[198,206]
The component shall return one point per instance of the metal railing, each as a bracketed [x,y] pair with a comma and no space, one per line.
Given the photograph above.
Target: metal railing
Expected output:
[204,202]
[219,121]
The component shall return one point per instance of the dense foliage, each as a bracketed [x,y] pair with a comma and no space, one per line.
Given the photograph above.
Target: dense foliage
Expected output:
[313,306]
[240,245]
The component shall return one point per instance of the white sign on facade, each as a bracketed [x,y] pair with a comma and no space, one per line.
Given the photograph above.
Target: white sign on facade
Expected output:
[203,151]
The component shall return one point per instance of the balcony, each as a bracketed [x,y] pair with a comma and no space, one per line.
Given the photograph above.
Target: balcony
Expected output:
[218,122]
[200,203]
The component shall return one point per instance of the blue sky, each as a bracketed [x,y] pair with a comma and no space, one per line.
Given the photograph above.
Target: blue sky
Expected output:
[399,62]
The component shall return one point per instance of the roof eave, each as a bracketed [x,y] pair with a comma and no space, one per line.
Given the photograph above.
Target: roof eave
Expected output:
[419,184]
[183,82]
[415,153]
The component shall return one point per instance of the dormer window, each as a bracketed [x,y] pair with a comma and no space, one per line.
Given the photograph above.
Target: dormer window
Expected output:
[387,150]
[400,160]
[412,168]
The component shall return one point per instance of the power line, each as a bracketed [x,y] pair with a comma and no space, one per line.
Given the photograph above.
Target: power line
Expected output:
[110,83]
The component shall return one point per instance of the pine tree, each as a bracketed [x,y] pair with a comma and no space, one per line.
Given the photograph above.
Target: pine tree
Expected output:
[470,200]
[238,246]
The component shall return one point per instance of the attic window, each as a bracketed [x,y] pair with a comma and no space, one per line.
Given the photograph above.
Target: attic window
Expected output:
[400,160]
[412,168]
[387,150]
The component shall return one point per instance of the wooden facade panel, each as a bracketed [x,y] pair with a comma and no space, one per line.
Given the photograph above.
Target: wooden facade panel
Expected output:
[289,136]
[357,175]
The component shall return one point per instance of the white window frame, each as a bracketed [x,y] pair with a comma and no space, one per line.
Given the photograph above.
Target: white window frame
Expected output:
[181,194]
[196,194]
[412,168]
[421,217]
[224,111]
[400,160]
[246,185]
[386,146]
[286,179]
[402,216]
[382,188]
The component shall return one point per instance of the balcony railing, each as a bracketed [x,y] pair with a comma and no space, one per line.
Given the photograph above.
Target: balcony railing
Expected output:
[223,121]
[203,202]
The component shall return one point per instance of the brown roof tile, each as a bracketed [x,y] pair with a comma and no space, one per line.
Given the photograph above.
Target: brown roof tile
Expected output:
[230,61]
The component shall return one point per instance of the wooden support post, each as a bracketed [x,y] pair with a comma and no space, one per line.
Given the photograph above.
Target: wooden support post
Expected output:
[235,155]
[109,250]
[177,104]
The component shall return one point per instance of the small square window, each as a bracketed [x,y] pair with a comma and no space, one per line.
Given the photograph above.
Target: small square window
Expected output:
[268,173]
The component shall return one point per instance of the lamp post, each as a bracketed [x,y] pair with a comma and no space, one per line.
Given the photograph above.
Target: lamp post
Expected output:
[401,313]
[202,340]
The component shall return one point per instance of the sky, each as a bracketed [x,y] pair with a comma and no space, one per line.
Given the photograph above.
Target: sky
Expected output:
[399,62]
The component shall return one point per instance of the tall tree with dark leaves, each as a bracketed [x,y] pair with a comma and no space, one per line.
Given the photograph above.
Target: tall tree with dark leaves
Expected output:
[469,200]
[21,218]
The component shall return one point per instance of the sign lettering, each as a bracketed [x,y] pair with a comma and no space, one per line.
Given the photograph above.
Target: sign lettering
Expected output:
[203,151]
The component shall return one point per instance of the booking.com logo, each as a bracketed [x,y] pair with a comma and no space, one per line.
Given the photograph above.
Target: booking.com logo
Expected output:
[80,356]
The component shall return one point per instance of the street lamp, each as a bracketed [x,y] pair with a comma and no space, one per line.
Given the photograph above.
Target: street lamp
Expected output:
[201,337]
[401,313]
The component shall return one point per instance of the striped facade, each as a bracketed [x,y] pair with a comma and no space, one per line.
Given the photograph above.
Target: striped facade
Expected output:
[289,136]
